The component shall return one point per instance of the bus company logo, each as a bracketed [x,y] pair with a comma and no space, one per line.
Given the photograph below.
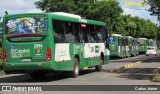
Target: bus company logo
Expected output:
[20,51]
[38,52]
[17,53]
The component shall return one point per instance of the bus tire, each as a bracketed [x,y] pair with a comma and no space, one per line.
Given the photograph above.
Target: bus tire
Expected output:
[75,72]
[99,67]
[37,75]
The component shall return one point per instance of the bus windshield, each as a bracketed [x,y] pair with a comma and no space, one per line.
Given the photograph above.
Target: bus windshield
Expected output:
[141,42]
[26,25]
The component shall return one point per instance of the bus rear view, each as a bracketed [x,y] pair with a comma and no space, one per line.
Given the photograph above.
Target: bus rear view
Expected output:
[25,41]
[41,43]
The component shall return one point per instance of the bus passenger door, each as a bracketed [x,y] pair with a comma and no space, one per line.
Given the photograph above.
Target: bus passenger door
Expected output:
[86,46]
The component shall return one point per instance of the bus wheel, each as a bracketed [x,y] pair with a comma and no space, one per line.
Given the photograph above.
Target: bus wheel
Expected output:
[75,72]
[37,75]
[99,67]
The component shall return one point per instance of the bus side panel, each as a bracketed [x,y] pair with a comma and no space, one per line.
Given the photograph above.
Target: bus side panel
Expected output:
[63,58]
[114,48]
[92,52]
[106,56]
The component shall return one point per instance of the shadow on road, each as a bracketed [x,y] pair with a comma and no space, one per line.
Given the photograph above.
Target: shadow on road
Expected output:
[130,59]
[137,73]
[142,58]
[141,73]
[131,73]
[22,78]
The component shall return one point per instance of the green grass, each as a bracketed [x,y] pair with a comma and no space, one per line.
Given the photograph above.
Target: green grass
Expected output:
[156,78]
[158,47]
[2,72]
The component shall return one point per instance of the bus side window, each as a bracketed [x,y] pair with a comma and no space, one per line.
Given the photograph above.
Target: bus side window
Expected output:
[69,33]
[90,34]
[90,38]
[97,34]
[84,34]
[93,34]
[85,37]
[58,30]
[100,34]
[78,33]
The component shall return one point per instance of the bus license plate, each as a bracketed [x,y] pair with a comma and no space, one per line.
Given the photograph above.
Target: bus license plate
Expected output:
[26,59]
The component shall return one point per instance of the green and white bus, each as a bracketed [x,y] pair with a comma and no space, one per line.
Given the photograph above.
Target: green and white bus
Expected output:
[133,46]
[38,43]
[142,45]
[126,45]
[136,46]
[117,46]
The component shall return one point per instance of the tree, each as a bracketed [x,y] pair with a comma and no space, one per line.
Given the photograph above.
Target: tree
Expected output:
[138,27]
[56,5]
[0,25]
[154,8]
[131,27]
[105,10]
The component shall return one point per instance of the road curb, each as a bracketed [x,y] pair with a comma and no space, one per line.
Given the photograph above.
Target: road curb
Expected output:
[125,66]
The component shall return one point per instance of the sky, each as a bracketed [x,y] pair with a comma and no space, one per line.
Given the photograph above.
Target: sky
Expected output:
[27,6]
[136,9]
[17,6]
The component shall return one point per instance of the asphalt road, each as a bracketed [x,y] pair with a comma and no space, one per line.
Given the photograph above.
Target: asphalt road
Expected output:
[136,75]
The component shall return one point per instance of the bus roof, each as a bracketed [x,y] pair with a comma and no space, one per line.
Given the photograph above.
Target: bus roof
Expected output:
[143,38]
[129,36]
[66,14]
[116,35]
[74,18]
[62,16]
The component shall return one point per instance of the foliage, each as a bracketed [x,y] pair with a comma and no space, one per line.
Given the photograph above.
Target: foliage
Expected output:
[56,5]
[156,78]
[2,72]
[0,45]
[0,57]
[138,27]
[154,7]
[0,53]
[104,10]
[0,26]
